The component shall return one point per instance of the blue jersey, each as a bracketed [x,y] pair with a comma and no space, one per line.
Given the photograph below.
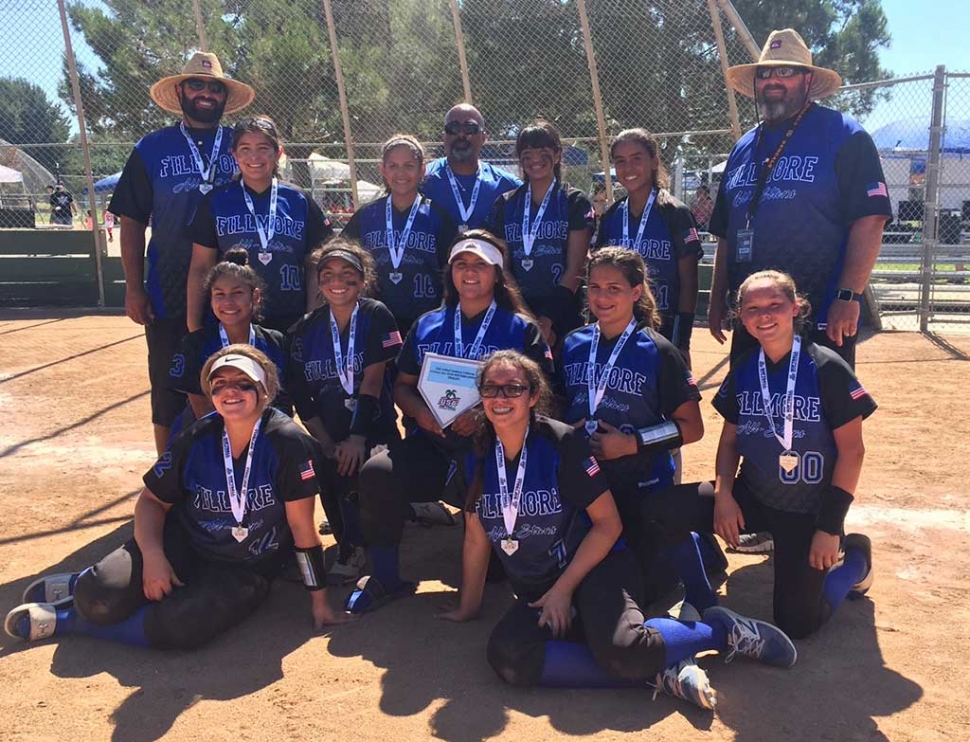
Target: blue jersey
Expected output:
[160,183]
[494,183]
[417,288]
[191,476]
[828,176]
[562,479]
[648,382]
[827,396]
[223,221]
[669,236]
[314,382]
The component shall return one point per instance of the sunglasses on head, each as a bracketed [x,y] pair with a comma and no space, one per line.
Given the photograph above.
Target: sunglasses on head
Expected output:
[242,385]
[490,391]
[458,127]
[764,73]
[197,86]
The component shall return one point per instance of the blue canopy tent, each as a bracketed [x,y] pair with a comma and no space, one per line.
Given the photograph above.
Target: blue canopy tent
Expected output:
[913,134]
[105,185]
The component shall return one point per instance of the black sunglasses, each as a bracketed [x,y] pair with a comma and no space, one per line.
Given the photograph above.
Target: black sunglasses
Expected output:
[197,86]
[765,73]
[509,391]
[458,127]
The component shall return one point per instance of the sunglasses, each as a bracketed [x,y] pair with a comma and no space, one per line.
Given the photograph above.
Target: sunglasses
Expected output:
[242,386]
[197,86]
[765,73]
[457,127]
[509,391]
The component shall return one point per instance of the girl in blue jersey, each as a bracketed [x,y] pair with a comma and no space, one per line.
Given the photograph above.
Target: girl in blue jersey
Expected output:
[793,415]
[219,512]
[407,235]
[277,224]
[482,313]
[629,390]
[338,356]
[236,294]
[548,226]
[537,496]
[651,222]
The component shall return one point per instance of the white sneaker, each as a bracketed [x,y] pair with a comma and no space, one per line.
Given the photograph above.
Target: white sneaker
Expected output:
[349,569]
[688,681]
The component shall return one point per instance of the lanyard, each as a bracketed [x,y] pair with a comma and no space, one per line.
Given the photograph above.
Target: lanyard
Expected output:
[643,220]
[224,338]
[207,173]
[788,403]
[473,351]
[596,391]
[264,235]
[237,499]
[345,371]
[397,250]
[465,213]
[510,506]
[770,163]
[529,235]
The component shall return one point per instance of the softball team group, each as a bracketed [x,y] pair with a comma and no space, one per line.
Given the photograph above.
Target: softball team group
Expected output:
[564,475]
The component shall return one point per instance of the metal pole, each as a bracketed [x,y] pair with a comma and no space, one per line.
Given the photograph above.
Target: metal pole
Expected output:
[597,101]
[200,27]
[342,95]
[731,13]
[462,61]
[722,55]
[85,150]
[931,206]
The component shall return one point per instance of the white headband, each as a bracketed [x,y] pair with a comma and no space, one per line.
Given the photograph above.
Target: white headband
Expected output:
[243,363]
[485,250]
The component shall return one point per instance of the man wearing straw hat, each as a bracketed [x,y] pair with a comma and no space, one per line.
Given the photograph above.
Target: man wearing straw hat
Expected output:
[163,181]
[802,192]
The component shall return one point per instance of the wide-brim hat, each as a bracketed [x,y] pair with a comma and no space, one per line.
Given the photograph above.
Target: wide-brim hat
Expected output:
[785,48]
[202,64]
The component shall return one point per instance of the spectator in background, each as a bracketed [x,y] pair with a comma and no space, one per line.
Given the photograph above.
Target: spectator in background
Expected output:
[62,205]
[701,206]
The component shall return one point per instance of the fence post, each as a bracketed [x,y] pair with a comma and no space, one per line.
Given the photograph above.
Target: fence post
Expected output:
[342,95]
[722,55]
[931,202]
[85,150]
[462,61]
[746,38]
[200,27]
[597,101]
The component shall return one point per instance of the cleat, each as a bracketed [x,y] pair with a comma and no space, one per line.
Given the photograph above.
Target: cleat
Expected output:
[31,621]
[754,543]
[56,589]
[430,514]
[863,544]
[370,594]
[687,681]
[753,638]
[349,568]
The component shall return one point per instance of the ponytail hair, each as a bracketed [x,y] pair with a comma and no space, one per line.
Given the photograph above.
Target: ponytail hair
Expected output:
[540,134]
[631,265]
[235,264]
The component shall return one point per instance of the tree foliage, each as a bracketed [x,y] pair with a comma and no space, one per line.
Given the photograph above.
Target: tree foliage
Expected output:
[28,117]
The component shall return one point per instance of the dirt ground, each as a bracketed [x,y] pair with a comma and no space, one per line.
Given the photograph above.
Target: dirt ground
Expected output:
[75,440]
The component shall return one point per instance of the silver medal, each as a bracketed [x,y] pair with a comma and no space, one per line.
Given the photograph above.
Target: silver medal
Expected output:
[510,546]
[239,533]
[527,264]
[265,257]
[591,426]
[396,278]
[205,187]
[462,227]
[351,404]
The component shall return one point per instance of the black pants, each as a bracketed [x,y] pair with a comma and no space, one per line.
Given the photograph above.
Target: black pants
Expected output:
[411,470]
[742,341]
[800,607]
[214,597]
[608,619]
[164,337]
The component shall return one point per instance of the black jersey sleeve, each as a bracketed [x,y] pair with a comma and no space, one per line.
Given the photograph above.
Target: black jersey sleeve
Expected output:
[726,400]
[447,232]
[718,224]
[295,478]
[407,360]
[384,339]
[843,396]
[352,230]
[495,223]
[601,239]
[581,212]
[134,195]
[295,380]
[202,228]
[164,479]
[536,348]
[683,230]
[318,226]
[676,382]
[862,184]
[183,375]
[580,478]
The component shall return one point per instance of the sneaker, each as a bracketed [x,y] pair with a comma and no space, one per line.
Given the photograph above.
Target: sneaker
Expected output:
[688,681]
[349,568]
[753,638]
[56,589]
[754,543]
[31,621]
[432,513]
[861,542]
[684,611]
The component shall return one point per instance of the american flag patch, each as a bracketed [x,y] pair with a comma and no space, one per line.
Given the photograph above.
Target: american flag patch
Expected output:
[691,381]
[548,353]
[306,471]
[877,189]
[591,466]
[591,214]
[391,339]
[858,393]
[691,235]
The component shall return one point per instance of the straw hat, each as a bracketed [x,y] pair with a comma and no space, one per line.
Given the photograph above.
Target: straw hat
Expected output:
[239,94]
[785,48]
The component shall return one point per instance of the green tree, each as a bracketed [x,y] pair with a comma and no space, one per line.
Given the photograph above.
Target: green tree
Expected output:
[27,117]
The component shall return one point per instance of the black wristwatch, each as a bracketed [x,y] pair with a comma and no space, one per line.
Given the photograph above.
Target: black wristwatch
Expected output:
[847,295]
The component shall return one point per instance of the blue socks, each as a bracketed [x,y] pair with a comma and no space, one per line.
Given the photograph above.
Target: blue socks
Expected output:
[131,631]
[686,557]
[685,639]
[572,665]
[386,562]
[839,581]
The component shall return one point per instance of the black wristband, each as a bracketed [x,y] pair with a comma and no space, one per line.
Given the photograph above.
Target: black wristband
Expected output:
[683,329]
[368,408]
[835,506]
[559,303]
[312,567]
[662,437]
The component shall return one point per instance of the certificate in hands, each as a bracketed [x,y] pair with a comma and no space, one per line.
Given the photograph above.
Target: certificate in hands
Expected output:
[448,386]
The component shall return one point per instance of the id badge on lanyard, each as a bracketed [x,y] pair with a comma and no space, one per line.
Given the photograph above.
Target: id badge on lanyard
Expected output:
[744,249]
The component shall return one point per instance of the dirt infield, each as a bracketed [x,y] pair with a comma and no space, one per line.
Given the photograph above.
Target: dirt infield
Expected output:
[75,440]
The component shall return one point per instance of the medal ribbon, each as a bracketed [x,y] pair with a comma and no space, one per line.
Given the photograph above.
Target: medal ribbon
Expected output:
[345,372]
[224,338]
[788,403]
[595,391]
[529,236]
[459,344]
[510,506]
[264,235]
[237,499]
[643,221]
[397,250]
[770,163]
[465,213]
[207,173]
